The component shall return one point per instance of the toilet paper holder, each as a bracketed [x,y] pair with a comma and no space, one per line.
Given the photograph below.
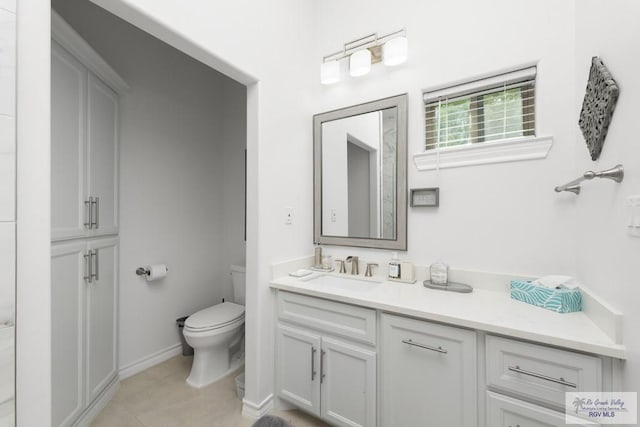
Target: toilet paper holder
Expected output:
[141,271]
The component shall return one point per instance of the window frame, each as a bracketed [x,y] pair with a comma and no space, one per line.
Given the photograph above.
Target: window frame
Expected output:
[525,147]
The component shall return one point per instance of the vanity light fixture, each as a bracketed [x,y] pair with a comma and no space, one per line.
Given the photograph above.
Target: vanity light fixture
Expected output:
[360,63]
[391,49]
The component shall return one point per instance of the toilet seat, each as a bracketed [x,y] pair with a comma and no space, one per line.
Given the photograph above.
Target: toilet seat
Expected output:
[215,317]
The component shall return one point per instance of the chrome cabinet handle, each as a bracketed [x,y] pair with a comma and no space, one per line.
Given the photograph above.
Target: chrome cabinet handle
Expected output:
[88,212]
[87,267]
[322,375]
[313,363]
[95,203]
[94,256]
[426,347]
[542,377]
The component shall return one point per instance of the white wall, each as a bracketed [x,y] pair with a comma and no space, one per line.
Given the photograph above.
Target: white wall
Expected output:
[607,254]
[498,217]
[33,218]
[7,208]
[182,128]
[7,161]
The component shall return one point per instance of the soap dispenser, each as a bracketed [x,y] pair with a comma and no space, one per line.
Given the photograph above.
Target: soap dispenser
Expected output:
[394,266]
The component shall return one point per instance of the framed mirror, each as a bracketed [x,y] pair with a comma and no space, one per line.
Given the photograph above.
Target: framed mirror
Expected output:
[360,175]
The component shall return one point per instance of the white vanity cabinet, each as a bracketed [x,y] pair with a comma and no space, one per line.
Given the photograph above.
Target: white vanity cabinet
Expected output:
[428,374]
[326,359]
[84,150]
[84,324]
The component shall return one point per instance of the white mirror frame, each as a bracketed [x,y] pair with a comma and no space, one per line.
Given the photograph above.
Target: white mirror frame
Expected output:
[400,242]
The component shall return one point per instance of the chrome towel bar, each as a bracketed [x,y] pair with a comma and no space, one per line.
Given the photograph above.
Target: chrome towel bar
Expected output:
[616,174]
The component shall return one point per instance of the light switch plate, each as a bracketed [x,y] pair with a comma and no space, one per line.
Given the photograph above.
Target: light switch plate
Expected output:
[288,215]
[633,221]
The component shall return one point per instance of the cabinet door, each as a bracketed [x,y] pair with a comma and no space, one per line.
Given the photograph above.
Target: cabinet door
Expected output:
[348,377]
[68,268]
[68,175]
[503,411]
[428,374]
[298,367]
[102,146]
[102,316]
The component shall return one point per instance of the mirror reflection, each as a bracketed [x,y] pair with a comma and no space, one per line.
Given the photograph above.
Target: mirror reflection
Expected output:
[360,175]
[359,181]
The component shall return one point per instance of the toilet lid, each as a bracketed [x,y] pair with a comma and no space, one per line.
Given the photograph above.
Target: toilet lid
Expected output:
[216,316]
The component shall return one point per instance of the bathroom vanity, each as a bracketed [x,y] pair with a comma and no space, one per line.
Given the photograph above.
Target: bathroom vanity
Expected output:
[358,352]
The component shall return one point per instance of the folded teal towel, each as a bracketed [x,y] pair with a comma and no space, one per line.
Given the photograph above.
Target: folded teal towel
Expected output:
[559,300]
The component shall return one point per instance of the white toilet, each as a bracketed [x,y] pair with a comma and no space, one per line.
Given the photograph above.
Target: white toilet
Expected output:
[216,335]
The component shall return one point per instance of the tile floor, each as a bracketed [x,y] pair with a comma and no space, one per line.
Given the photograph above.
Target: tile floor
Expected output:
[160,397]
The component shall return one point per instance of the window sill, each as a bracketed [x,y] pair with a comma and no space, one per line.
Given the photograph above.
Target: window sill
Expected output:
[512,150]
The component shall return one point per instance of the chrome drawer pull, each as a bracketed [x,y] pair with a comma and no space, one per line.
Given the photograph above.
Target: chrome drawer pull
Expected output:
[313,363]
[95,222]
[87,267]
[322,375]
[88,214]
[426,347]
[542,377]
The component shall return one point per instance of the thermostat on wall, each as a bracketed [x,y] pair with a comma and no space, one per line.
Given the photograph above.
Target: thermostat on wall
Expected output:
[425,197]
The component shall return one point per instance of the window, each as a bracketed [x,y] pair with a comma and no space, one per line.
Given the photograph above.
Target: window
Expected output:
[496,108]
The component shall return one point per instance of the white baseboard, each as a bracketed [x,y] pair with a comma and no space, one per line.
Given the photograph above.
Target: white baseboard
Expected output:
[251,410]
[98,405]
[150,360]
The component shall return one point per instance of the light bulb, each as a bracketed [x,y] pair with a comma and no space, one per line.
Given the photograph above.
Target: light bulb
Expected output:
[395,51]
[360,63]
[329,72]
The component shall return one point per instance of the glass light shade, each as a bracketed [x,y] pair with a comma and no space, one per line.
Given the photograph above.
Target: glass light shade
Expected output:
[395,51]
[360,63]
[329,72]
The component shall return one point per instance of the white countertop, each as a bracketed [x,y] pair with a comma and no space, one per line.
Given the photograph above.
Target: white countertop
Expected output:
[485,310]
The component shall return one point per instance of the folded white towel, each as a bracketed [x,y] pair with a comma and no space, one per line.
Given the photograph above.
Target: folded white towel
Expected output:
[557,281]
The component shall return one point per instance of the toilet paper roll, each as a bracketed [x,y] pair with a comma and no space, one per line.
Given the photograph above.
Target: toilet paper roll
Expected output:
[156,272]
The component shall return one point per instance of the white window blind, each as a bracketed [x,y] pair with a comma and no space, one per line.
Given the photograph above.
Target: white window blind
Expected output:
[483,110]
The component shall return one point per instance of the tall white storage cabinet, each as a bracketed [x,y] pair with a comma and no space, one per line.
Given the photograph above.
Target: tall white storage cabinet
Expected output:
[84,216]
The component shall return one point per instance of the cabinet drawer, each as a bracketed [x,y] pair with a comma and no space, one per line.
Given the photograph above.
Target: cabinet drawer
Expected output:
[539,372]
[340,319]
[503,411]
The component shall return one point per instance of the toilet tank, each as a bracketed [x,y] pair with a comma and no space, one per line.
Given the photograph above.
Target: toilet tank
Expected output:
[239,282]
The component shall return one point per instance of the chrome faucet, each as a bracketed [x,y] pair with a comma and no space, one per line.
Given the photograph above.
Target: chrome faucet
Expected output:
[354,264]
[369,270]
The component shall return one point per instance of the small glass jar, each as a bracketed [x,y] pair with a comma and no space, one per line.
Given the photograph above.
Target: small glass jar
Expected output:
[439,272]
[327,262]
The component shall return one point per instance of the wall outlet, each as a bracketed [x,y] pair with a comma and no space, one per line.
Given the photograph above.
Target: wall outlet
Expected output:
[288,215]
[633,221]
[334,215]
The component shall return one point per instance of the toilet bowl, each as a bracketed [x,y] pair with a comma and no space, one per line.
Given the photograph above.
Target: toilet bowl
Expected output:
[216,334]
